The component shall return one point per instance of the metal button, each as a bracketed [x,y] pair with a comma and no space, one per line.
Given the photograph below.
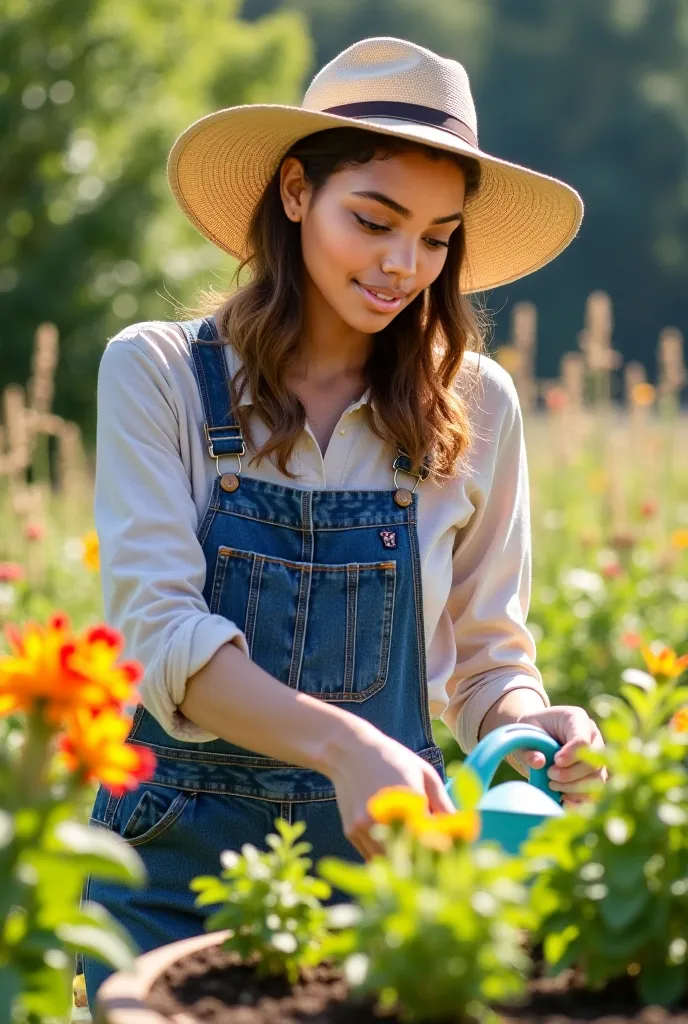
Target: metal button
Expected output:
[229,481]
[403,497]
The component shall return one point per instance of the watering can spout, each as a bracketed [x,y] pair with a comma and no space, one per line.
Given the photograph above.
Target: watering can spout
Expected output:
[511,811]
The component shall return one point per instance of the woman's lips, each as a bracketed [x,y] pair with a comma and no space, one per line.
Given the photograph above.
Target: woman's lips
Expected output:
[378,303]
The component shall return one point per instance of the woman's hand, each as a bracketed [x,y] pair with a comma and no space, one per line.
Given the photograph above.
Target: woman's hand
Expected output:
[365,761]
[574,729]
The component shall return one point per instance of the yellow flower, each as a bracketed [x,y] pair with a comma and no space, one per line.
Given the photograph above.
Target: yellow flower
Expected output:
[642,393]
[664,663]
[91,555]
[597,481]
[680,720]
[396,803]
[440,831]
[679,539]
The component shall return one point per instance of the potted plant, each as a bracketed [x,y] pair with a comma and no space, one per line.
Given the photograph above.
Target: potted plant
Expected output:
[434,929]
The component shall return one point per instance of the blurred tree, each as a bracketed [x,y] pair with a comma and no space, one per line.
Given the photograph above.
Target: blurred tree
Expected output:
[594,93]
[92,96]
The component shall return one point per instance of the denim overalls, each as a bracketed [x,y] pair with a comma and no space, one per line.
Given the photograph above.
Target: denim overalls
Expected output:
[326,586]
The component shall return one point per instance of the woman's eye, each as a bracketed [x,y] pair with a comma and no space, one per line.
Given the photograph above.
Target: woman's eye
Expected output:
[435,243]
[370,225]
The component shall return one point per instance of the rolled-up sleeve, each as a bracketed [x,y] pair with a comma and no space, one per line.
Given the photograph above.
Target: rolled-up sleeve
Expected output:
[491,580]
[152,565]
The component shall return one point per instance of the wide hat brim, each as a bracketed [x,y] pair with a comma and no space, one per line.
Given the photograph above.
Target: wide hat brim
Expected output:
[518,220]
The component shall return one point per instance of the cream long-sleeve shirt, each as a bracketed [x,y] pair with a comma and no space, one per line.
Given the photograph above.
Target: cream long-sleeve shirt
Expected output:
[153,481]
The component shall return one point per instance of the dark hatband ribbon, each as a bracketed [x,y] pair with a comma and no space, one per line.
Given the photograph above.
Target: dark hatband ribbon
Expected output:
[414,112]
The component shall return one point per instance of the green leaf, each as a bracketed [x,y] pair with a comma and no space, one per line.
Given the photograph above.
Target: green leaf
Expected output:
[93,929]
[662,985]
[626,867]
[556,943]
[47,992]
[467,789]
[106,854]
[618,909]
[350,878]
[10,987]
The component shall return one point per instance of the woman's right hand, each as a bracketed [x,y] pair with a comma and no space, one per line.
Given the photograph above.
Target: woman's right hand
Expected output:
[367,761]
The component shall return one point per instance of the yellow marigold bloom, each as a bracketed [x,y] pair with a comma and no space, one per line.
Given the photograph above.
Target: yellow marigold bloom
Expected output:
[665,663]
[679,722]
[679,539]
[643,393]
[463,825]
[91,555]
[63,671]
[396,803]
[94,744]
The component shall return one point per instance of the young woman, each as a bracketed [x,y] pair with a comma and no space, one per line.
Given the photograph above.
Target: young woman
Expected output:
[313,504]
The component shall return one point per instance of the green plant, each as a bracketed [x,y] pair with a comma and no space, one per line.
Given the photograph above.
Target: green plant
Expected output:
[62,727]
[610,881]
[436,927]
[270,903]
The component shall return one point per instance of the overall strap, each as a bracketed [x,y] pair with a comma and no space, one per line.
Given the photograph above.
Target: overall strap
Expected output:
[222,432]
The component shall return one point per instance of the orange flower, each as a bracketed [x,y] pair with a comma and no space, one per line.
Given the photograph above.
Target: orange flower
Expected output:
[64,671]
[396,804]
[631,639]
[679,539]
[664,663]
[91,554]
[611,570]
[556,399]
[648,509]
[679,722]
[34,531]
[642,393]
[441,831]
[95,746]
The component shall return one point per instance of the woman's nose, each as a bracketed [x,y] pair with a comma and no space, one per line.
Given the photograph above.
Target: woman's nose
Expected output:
[401,260]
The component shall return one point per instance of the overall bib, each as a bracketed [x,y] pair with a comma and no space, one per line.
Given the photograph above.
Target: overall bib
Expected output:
[326,586]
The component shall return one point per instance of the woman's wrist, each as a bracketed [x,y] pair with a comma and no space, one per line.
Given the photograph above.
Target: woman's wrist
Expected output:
[510,707]
[341,742]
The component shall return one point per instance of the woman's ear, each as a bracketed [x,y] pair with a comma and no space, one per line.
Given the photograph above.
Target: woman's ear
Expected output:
[294,189]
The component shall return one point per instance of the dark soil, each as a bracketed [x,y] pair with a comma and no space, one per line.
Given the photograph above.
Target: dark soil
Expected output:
[213,987]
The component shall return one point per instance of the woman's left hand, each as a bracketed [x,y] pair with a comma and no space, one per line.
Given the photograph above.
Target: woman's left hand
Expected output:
[574,729]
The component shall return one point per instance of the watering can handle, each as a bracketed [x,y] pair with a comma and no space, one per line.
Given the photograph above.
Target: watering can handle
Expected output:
[493,748]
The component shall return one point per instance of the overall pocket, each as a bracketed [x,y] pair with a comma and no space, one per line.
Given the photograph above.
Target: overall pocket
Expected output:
[323,629]
[141,814]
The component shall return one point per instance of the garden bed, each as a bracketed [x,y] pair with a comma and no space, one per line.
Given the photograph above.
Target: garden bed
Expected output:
[211,986]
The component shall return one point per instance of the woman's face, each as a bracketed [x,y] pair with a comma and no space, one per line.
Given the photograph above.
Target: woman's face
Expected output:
[376,234]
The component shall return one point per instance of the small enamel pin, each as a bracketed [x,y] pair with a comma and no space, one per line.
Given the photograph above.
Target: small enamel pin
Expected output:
[389,538]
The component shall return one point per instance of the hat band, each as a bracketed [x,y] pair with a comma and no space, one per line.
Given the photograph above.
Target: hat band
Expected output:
[414,112]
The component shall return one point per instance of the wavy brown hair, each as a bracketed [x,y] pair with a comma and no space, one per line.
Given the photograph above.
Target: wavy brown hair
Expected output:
[419,404]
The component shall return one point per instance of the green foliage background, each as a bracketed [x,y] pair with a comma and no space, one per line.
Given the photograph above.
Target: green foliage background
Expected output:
[93,94]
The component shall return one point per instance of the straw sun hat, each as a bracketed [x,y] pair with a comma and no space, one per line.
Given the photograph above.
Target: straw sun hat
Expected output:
[517,221]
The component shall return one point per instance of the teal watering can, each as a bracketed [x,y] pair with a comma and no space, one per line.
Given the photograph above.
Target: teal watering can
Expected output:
[510,811]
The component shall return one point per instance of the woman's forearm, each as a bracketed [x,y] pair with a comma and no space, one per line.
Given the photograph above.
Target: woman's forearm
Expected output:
[509,708]
[232,697]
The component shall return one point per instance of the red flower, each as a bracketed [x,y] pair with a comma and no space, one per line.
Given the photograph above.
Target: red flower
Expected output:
[648,509]
[34,531]
[611,570]
[11,572]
